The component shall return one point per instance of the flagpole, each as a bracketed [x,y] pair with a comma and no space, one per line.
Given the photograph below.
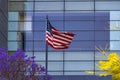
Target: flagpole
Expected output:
[46,49]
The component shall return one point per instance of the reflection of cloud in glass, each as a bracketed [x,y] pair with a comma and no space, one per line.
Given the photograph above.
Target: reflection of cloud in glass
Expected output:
[114,25]
[114,15]
[114,45]
[28,25]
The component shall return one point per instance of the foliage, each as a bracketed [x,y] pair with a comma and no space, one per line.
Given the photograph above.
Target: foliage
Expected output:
[20,67]
[111,66]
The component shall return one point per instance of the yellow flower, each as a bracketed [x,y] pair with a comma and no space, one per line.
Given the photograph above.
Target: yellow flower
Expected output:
[111,66]
[103,75]
[113,57]
[116,76]
[90,72]
[104,65]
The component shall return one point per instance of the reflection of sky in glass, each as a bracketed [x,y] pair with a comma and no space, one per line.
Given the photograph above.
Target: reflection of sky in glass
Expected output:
[115,35]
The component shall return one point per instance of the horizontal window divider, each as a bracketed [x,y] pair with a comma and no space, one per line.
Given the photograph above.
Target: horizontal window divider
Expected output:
[41,1]
[44,40]
[20,21]
[67,50]
[59,30]
[56,10]
[69,71]
[65,1]
[63,60]
[70,60]
[61,20]
[66,71]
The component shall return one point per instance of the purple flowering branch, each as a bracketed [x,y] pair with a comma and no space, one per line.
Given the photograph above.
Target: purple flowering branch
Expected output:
[19,66]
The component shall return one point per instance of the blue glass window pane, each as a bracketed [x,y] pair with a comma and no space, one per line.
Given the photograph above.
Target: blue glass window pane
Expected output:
[79,15]
[48,5]
[82,45]
[107,5]
[102,35]
[40,16]
[39,56]
[102,25]
[79,25]
[79,55]
[42,25]
[13,26]
[13,16]
[39,35]
[114,45]
[11,47]
[39,25]
[114,15]
[12,36]
[53,66]
[102,15]
[55,56]
[85,5]
[39,46]
[79,65]
[83,35]
[28,35]
[28,46]
[114,35]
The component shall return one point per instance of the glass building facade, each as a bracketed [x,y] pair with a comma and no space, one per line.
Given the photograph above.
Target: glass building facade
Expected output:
[96,24]
[3,23]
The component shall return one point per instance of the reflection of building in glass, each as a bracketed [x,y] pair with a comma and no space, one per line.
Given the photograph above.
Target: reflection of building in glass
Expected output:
[19,26]
[92,21]
[3,23]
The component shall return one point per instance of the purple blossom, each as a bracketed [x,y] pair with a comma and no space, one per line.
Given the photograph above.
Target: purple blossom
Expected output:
[14,66]
[32,57]
[42,69]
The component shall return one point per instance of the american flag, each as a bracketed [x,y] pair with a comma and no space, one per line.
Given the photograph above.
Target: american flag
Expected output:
[57,39]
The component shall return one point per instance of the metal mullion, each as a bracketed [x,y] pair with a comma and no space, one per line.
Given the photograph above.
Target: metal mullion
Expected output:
[57,10]
[63,30]
[94,38]
[71,51]
[59,20]
[33,25]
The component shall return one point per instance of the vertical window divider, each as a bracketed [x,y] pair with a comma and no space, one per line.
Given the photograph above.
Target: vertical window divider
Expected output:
[64,29]
[94,37]
[33,26]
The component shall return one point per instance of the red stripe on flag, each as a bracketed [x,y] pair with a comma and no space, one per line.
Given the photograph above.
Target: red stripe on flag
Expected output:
[57,39]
